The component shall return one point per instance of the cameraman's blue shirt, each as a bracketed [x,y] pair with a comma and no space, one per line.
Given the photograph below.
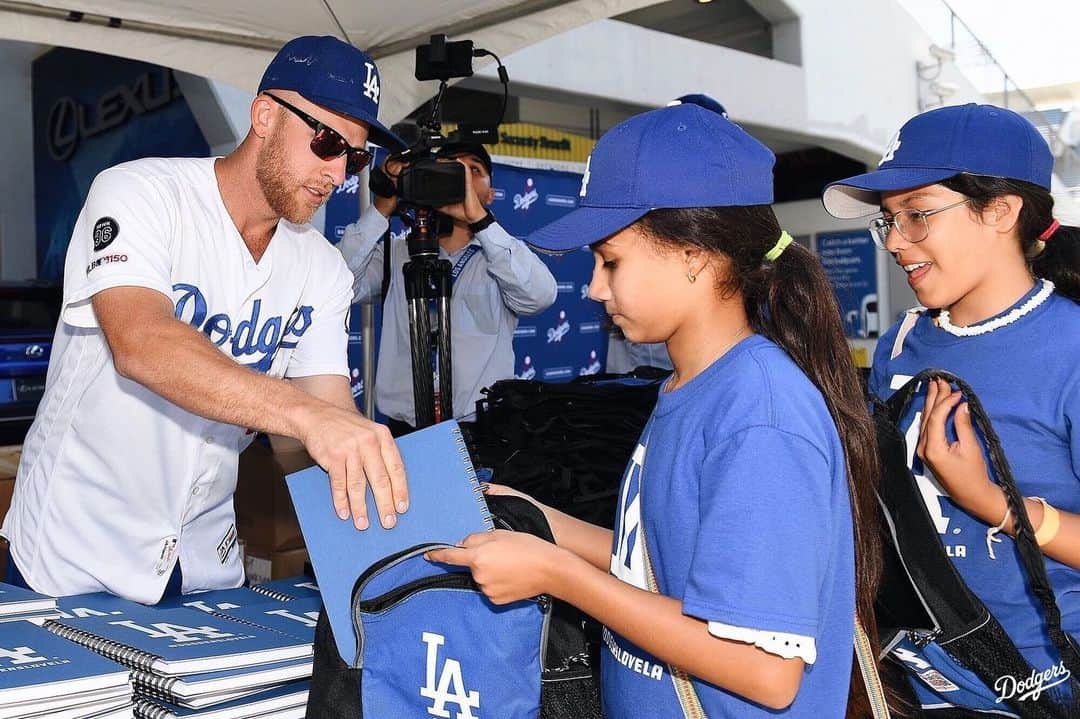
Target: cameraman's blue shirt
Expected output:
[499,283]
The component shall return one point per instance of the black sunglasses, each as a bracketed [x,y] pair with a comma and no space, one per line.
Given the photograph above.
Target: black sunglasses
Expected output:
[327,143]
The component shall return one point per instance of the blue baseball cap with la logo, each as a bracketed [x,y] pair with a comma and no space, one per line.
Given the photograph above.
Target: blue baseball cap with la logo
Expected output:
[334,75]
[682,155]
[942,143]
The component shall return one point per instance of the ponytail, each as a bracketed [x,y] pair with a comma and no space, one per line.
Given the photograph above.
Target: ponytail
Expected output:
[789,300]
[1058,257]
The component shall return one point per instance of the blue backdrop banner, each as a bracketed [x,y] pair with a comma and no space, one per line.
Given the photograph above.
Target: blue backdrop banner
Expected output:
[91,112]
[567,340]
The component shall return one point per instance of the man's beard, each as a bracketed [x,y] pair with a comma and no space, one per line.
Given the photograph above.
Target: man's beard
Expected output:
[278,187]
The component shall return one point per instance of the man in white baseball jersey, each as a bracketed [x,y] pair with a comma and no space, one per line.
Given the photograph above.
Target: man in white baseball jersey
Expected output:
[199,307]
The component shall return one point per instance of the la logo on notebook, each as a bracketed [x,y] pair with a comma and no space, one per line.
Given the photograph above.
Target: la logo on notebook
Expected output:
[176,632]
[20,655]
[308,619]
[450,688]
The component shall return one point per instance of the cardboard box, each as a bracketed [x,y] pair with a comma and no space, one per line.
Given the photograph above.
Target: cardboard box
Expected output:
[9,461]
[265,516]
[7,486]
[262,565]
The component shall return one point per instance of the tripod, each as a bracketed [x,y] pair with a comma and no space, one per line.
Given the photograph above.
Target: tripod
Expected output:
[427,283]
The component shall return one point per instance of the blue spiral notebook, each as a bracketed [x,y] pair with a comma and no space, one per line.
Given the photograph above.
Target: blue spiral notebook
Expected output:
[37,666]
[16,600]
[445,505]
[289,588]
[215,600]
[296,617]
[179,641]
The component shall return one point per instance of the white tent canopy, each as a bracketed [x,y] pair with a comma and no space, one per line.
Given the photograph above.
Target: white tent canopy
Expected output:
[233,41]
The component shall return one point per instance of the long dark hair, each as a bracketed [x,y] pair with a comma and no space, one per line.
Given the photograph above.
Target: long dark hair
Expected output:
[791,301]
[1058,259]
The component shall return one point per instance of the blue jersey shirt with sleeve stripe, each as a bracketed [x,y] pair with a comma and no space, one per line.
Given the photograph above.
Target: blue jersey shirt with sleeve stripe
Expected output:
[739,486]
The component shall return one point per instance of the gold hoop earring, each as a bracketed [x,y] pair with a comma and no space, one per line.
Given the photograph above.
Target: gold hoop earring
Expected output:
[692,277]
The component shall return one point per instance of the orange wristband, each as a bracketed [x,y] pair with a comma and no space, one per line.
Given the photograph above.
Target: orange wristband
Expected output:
[1050,524]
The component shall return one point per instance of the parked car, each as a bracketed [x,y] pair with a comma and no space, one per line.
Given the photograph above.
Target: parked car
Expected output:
[28,315]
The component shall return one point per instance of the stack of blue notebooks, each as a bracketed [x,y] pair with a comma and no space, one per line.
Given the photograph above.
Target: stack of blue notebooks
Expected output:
[228,654]
[43,675]
[18,603]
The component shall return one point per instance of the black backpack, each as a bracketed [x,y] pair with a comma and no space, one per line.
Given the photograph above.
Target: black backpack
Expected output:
[569,688]
[922,596]
[565,444]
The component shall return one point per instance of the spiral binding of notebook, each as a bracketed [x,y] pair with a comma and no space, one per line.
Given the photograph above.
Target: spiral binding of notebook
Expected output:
[149,709]
[273,593]
[147,688]
[151,682]
[470,471]
[128,656]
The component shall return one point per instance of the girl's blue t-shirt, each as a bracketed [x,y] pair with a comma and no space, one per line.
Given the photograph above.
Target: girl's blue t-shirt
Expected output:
[1027,377]
[738,487]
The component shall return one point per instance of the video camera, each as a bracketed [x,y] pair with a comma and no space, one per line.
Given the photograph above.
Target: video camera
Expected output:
[425,182]
[423,185]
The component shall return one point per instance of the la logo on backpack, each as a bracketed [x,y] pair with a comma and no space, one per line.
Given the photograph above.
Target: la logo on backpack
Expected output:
[450,687]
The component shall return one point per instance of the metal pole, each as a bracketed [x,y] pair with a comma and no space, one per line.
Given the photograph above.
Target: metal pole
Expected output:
[367,316]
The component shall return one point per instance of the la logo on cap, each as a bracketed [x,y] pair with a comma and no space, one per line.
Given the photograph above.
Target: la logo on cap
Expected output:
[890,153]
[585,177]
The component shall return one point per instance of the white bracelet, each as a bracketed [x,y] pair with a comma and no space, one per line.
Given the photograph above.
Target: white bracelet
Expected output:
[991,534]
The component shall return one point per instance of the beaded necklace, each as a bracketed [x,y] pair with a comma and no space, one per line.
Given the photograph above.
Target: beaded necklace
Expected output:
[997,323]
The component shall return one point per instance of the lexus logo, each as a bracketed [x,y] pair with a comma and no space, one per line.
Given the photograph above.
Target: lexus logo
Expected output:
[35,352]
[69,121]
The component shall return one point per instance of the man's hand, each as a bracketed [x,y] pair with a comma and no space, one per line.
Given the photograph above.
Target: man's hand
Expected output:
[354,451]
[471,209]
[387,205]
[357,453]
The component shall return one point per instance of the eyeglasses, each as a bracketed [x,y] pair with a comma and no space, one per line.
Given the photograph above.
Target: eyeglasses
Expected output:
[327,143]
[911,224]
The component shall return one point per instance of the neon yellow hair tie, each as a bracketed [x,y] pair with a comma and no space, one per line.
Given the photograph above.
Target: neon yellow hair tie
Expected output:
[779,247]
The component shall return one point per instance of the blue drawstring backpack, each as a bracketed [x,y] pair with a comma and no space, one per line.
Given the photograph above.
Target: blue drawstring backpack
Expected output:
[430,644]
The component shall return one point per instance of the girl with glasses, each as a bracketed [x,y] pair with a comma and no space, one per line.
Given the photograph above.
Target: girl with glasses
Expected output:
[966,211]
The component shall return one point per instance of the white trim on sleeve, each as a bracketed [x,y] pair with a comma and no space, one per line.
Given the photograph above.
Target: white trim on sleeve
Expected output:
[785,645]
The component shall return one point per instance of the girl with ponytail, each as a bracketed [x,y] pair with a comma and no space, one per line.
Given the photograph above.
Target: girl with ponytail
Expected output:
[961,201]
[745,539]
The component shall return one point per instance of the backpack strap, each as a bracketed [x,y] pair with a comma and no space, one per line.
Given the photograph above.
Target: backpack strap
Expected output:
[1031,556]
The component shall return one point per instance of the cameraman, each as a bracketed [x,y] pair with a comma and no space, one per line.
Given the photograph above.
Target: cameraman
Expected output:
[497,278]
